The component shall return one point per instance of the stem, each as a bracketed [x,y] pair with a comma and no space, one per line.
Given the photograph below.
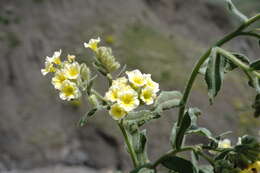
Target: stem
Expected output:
[206,157]
[202,60]
[129,146]
[169,153]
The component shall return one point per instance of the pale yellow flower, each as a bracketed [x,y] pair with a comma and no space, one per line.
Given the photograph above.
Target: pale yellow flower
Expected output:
[112,94]
[136,78]
[92,44]
[226,143]
[69,90]
[148,95]
[72,71]
[122,81]
[150,83]
[58,79]
[49,67]
[55,58]
[253,168]
[71,58]
[117,112]
[128,99]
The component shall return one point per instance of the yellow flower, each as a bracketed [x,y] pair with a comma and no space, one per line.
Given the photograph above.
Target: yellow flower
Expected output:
[58,79]
[148,95]
[128,99]
[72,71]
[55,58]
[112,94]
[226,143]
[136,78]
[117,112]
[71,58]
[92,44]
[150,83]
[69,90]
[118,85]
[48,68]
[122,81]
[253,168]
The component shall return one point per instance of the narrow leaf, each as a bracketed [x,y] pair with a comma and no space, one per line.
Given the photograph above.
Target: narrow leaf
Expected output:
[236,12]
[214,74]
[185,124]
[178,164]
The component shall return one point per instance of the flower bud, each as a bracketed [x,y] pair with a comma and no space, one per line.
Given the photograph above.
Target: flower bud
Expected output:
[85,72]
[105,57]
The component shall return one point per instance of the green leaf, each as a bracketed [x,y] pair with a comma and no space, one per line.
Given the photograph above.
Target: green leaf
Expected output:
[256,106]
[140,117]
[255,65]
[178,164]
[214,74]
[229,65]
[167,100]
[201,131]
[173,135]
[236,12]
[206,169]
[136,170]
[86,117]
[146,170]
[185,124]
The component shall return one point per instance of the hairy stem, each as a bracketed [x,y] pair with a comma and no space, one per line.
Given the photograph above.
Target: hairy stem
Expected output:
[203,58]
[128,144]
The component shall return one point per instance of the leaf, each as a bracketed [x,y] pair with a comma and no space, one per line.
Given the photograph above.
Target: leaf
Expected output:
[255,65]
[236,12]
[140,117]
[146,170]
[136,170]
[180,132]
[173,135]
[86,117]
[229,65]
[214,74]
[256,106]
[167,100]
[201,131]
[178,164]
[206,169]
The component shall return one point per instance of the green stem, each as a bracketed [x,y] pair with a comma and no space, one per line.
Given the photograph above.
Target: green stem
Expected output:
[129,145]
[236,61]
[202,60]
[170,153]
[206,157]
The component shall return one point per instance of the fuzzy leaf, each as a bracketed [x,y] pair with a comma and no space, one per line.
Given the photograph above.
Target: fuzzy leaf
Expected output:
[236,12]
[178,133]
[167,100]
[256,106]
[140,117]
[86,117]
[214,74]
[178,164]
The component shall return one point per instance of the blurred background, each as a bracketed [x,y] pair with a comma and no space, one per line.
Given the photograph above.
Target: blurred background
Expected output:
[38,132]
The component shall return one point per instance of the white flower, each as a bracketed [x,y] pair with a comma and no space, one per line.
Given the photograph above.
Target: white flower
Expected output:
[58,79]
[72,71]
[136,78]
[71,58]
[48,68]
[128,99]
[55,57]
[117,112]
[148,95]
[69,90]
[150,83]
[92,44]
[226,143]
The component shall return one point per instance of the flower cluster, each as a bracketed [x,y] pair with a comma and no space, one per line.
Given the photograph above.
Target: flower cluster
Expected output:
[67,75]
[126,94]
[104,56]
